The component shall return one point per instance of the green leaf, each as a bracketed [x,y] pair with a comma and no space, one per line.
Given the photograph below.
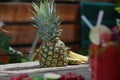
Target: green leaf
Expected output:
[118,23]
[43,9]
[17,59]
[5,42]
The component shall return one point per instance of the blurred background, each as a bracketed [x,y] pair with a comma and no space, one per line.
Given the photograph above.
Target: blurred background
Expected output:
[17,19]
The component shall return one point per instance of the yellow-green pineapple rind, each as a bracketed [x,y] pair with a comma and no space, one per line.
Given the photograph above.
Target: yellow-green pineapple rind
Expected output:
[53,54]
[52,50]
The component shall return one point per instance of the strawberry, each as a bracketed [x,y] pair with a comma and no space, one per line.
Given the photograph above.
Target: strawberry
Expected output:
[71,76]
[21,77]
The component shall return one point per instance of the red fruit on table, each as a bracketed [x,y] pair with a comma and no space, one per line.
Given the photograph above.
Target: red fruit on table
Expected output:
[21,77]
[79,77]
[71,76]
[27,78]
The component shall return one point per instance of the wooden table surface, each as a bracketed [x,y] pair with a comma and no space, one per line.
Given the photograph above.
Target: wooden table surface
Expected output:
[33,69]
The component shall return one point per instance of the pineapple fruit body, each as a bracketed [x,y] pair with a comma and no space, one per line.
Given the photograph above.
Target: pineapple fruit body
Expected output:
[52,50]
[53,54]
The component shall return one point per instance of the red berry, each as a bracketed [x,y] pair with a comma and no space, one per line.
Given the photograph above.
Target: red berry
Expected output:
[62,77]
[20,77]
[27,78]
[80,77]
[13,78]
[23,75]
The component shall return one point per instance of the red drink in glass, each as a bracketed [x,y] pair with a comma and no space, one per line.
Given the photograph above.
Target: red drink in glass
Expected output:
[105,53]
[104,61]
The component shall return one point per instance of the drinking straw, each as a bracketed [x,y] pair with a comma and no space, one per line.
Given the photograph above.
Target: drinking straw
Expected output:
[83,17]
[100,17]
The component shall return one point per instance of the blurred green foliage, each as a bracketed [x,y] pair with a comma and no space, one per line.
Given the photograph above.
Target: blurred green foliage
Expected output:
[117,7]
[5,42]
[15,56]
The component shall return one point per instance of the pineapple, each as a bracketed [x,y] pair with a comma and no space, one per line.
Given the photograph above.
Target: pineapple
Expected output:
[52,50]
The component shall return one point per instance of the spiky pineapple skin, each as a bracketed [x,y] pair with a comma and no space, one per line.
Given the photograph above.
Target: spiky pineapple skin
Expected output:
[53,54]
[52,50]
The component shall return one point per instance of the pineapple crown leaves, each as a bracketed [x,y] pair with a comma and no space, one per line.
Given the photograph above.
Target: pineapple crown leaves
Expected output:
[46,20]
